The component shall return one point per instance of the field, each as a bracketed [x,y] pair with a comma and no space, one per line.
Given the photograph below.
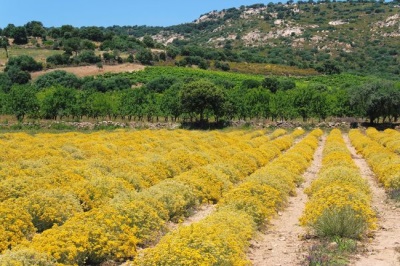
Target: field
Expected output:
[84,71]
[177,197]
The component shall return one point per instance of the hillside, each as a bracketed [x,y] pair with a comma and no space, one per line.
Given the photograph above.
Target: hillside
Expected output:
[356,37]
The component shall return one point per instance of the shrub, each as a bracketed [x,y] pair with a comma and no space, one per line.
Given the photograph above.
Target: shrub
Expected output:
[24,62]
[340,221]
[25,256]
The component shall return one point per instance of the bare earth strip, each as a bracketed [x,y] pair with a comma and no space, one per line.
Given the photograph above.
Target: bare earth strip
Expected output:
[281,244]
[83,71]
[384,248]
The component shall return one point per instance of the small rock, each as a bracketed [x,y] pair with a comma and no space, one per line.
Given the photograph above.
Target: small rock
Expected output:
[333,246]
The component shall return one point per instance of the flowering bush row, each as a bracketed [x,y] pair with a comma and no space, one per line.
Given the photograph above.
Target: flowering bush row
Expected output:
[136,219]
[338,191]
[223,237]
[390,138]
[384,163]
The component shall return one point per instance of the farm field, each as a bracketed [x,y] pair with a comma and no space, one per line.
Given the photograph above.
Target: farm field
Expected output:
[178,197]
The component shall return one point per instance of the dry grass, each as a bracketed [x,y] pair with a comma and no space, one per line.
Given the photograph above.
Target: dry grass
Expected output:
[83,71]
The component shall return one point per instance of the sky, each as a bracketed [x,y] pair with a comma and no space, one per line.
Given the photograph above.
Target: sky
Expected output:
[54,13]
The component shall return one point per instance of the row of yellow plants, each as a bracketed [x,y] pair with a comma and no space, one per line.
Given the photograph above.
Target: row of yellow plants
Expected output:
[390,138]
[223,237]
[338,193]
[383,162]
[74,243]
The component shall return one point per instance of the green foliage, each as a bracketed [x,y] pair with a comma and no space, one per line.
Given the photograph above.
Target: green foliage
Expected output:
[57,102]
[5,83]
[24,62]
[144,56]
[87,56]
[58,59]
[22,101]
[376,99]
[340,222]
[201,96]
[18,76]
[58,78]
[19,35]
[161,84]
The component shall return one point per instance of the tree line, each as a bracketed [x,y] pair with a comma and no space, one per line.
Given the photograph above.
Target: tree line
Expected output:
[60,95]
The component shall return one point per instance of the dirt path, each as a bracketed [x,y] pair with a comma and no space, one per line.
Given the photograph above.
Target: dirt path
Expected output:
[281,244]
[384,250]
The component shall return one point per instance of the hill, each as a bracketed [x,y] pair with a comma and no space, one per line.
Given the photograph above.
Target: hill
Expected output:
[355,37]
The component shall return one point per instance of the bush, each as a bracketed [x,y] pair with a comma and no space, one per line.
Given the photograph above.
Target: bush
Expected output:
[15,225]
[161,84]
[49,207]
[341,222]
[58,77]
[18,76]
[25,256]
[58,59]
[24,62]
[87,56]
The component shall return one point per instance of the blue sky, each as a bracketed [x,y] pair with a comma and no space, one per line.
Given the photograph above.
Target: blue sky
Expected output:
[107,13]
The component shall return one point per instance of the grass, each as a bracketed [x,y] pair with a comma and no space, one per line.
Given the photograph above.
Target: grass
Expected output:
[395,194]
[342,222]
[38,54]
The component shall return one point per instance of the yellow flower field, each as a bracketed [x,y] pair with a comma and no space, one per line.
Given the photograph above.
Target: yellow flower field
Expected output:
[79,198]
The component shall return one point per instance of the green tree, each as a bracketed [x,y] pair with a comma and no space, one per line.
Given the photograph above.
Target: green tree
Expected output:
[282,105]
[35,29]
[58,77]
[20,36]
[201,96]
[172,52]
[133,103]
[8,31]
[378,99]
[5,83]
[87,56]
[23,101]
[148,41]
[258,102]
[4,43]
[171,103]
[303,99]
[271,83]
[72,45]
[18,76]
[57,102]
[24,62]
[160,84]
[144,56]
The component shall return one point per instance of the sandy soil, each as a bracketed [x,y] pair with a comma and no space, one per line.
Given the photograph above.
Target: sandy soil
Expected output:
[83,71]
[384,248]
[282,243]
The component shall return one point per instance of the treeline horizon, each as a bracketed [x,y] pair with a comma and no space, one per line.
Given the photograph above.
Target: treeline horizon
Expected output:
[170,94]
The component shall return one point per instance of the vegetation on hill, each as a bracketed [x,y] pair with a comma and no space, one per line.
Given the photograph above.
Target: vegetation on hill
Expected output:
[330,37]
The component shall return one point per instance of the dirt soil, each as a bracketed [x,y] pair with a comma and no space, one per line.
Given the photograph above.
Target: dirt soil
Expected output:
[282,242]
[383,248]
[83,71]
